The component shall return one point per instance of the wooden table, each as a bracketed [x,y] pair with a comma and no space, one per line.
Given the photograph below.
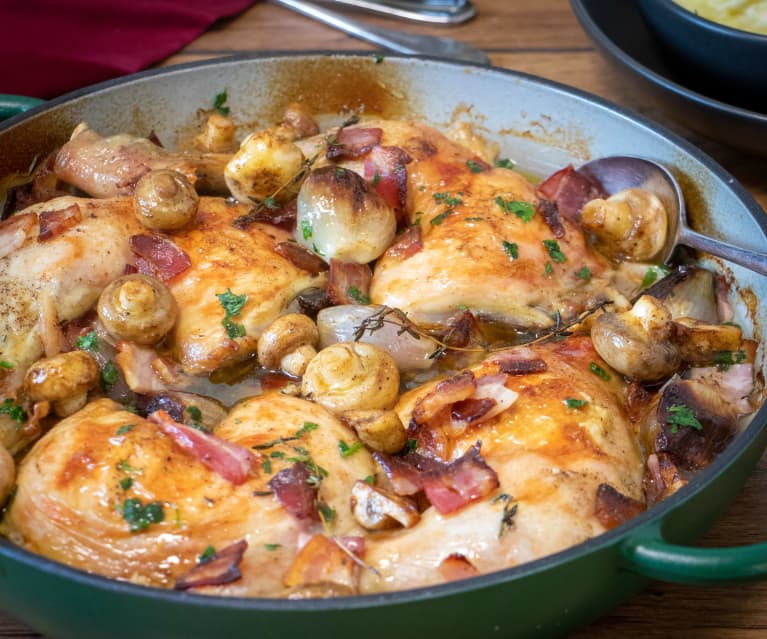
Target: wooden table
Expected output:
[542,37]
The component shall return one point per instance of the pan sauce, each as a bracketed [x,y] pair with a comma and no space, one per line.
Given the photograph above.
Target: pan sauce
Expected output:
[322,488]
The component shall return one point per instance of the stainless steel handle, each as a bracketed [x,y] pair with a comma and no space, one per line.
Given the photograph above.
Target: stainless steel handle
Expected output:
[752,260]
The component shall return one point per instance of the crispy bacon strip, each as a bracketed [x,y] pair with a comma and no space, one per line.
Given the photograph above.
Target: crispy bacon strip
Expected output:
[449,391]
[455,567]
[613,508]
[471,410]
[14,232]
[385,168]
[300,257]
[229,460]
[158,257]
[222,568]
[291,486]
[407,243]
[518,362]
[137,364]
[570,190]
[353,143]
[349,282]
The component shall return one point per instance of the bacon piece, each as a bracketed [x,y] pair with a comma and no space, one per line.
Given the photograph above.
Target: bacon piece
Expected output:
[300,257]
[550,213]
[349,282]
[322,561]
[385,168]
[518,362]
[53,223]
[447,486]
[612,508]
[571,189]
[222,568]
[407,243]
[78,327]
[662,478]
[158,257]
[470,410]
[353,143]
[297,496]
[449,391]
[14,232]
[137,364]
[455,567]
[231,461]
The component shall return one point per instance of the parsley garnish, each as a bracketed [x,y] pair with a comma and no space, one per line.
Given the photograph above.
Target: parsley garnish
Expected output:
[140,517]
[724,359]
[270,202]
[125,429]
[13,410]
[438,219]
[504,163]
[316,249]
[346,450]
[548,268]
[555,253]
[5,364]
[652,275]
[109,374]
[232,305]
[219,103]
[272,547]
[308,426]
[306,229]
[379,58]
[511,249]
[126,483]
[523,210]
[206,555]
[376,178]
[267,466]
[194,413]
[89,341]
[412,444]
[326,512]
[584,273]
[599,371]
[357,295]
[370,479]
[474,167]
[680,415]
[124,466]
[575,403]
[277,454]
[446,198]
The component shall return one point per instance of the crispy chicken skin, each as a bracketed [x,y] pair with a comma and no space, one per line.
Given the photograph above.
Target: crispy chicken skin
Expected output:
[467,259]
[550,460]
[69,500]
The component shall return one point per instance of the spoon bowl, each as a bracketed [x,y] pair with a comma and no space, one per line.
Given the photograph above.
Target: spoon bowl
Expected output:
[619,172]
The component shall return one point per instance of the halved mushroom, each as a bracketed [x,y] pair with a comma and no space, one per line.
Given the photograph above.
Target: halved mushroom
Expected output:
[638,343]
[378,509]
[63,380]
[301,120]
[630,224]
[164,200]
[137,308]
[380,430]
[349,376]
[288,344]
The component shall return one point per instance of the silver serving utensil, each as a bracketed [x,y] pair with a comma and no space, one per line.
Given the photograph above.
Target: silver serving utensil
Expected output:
[398,41]
[433,11]
[617,173]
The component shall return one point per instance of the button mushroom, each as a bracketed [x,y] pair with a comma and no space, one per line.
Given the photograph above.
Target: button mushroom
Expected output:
[218,134]
[64,380]
[377,509]
[340,216]
[639,342]
[349,376]
[380,430]
[288,344]
[137,308]
[164,200]
[631,224]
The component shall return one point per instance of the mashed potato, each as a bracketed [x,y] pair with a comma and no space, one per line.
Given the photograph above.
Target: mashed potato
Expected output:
[747,15]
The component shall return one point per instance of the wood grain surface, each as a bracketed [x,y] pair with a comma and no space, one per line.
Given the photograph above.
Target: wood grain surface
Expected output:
[542,37]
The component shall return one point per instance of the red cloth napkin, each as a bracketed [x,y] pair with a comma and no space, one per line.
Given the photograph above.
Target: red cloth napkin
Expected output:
[48,47]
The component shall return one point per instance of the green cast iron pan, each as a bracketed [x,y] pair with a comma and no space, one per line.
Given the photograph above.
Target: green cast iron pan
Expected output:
[543,126]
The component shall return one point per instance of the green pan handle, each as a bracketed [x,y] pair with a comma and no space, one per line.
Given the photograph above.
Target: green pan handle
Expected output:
[11,105]
[689,565]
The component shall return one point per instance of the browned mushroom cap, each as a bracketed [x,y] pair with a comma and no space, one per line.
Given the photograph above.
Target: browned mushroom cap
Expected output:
[378,509]
[64,380]
[164,200]
[288,343]
[380,430]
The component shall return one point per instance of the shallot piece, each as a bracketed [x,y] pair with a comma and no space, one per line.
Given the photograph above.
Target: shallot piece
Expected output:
[231,461]
[222,568]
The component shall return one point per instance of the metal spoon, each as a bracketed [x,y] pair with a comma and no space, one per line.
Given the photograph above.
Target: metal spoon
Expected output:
[617,173]
[398,41]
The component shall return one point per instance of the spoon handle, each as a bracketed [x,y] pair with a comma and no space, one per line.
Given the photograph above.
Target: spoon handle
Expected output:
[751,260]
[399,41]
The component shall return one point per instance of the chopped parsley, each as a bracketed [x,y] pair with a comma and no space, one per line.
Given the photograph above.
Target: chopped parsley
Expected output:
[652,275]
[438,219]
[555,253]
[412,444]
[232,305]
[195,414]
[357,295]
[307,426]
[511,249]
[126,483]
[109,374]
[370,480]
[504,163]
[140,517]
[13,410]
[680,415]
[724,359]
[523,210]
[272,547]
[89,341]
[206,555]
[125,429]
[446,198]
[584,273]
[575,403]
[599,371]
[271,203]
[267,466]
[346,450]
[378,58]
[306,229]
[474,166]
[219,102]
[277,454]
[376,178]
[316,249]
[124,466]
[5,364]
[326,512]
[548,268]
